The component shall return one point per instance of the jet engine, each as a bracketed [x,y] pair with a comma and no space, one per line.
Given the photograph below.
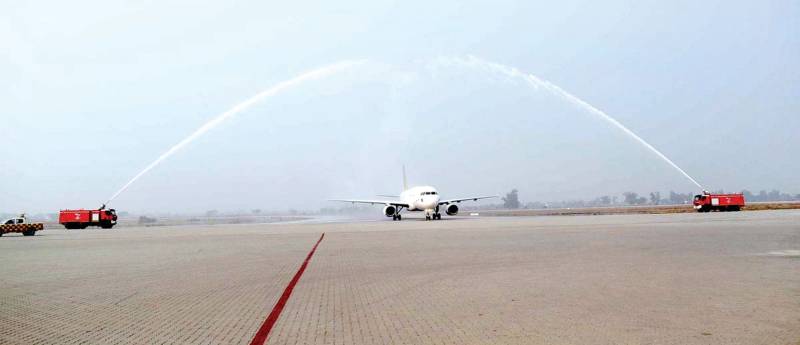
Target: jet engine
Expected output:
[389,210]
[451,210]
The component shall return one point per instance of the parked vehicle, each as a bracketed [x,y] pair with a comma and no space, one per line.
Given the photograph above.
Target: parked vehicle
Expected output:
[20,224]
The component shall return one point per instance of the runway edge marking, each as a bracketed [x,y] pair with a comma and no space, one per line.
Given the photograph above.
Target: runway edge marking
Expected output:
[263,332]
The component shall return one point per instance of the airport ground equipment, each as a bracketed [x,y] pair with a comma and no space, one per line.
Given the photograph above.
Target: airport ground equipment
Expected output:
[81,219]
[20,224]
[708,202]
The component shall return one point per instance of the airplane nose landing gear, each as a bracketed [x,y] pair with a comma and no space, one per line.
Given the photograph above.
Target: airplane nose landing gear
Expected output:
[433,214]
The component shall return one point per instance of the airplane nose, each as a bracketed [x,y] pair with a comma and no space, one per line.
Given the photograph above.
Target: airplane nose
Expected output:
[428,202]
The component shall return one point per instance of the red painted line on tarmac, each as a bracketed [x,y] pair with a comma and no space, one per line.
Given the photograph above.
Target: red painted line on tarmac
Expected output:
[263,332]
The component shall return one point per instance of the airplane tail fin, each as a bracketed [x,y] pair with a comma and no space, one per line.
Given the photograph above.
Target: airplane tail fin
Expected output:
[405,181]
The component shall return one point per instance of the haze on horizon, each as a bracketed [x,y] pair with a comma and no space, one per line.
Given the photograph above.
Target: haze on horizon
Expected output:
[93,91]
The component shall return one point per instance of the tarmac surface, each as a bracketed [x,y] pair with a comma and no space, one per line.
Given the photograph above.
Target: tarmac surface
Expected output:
[719,278]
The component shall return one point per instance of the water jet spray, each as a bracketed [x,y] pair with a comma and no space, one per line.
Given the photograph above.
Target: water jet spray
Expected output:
[536,83]
[307,76]
[469,62]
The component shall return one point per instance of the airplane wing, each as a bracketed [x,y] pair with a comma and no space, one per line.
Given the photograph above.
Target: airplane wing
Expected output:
[476,198]
[374,202]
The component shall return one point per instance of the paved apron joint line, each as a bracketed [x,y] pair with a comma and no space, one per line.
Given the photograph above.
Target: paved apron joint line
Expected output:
[263,332]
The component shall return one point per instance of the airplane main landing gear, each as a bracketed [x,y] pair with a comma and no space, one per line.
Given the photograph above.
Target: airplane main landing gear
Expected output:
[396,215]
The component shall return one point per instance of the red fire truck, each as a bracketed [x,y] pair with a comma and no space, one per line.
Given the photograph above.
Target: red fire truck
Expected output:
[708,202]
[81,219]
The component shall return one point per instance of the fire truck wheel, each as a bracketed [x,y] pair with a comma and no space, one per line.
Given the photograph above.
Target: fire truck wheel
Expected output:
[29,233]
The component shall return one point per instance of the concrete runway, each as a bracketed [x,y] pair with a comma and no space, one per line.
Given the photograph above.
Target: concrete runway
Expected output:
[720,278]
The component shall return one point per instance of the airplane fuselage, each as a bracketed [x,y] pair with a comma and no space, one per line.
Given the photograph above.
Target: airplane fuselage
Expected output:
[421,198]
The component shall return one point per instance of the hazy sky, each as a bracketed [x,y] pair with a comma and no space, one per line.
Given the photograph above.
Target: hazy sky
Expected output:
[93,91]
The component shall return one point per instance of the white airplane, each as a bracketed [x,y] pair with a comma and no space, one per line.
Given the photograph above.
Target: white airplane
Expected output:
[416,199]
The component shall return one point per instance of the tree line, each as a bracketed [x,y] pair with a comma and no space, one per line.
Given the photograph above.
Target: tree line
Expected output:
[511,199]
